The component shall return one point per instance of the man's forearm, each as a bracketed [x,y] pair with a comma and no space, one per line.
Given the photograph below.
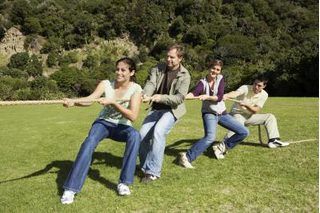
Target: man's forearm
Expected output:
[232,94]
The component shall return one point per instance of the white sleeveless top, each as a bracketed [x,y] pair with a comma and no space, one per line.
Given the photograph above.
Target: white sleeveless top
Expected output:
[109,113]
[212,106]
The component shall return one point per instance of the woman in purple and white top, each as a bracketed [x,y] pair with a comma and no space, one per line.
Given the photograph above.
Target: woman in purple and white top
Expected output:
[210,90]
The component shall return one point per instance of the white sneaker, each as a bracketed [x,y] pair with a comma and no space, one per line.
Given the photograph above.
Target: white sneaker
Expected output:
[67,197]
[219,150]
[148,178]
[277,143]
[183,161]
[123,189]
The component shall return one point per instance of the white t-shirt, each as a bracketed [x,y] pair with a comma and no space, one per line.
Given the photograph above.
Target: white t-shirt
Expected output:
[111,114]
[249,97]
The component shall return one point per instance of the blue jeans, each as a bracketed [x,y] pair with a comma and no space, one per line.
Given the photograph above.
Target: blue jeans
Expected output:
[103,129]
[155,127]
[210,122]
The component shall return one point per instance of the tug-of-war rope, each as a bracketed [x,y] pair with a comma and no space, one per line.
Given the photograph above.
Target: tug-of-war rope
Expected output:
[35,102]
[38,102]
[41,102]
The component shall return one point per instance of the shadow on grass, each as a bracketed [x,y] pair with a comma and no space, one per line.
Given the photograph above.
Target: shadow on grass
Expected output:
[257,144]
[175,148]
[65,166]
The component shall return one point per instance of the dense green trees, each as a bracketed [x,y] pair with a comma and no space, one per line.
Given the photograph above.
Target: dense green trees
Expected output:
[19,60]
[277,38]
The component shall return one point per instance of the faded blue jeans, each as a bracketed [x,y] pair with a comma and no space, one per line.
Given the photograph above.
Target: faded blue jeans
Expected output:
[210,122]
[103,129]
[154,130]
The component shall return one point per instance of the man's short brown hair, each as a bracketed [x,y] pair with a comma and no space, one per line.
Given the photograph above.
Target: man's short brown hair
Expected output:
[179,48]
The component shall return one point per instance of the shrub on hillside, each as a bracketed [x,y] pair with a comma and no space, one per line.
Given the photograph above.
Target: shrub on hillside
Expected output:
[53,44]
[34,67]
[32,25]
[196,35]
[19,60]
[68,58]
[9,85]
[44,88]
[91,62]
[67,78]
[74,82]
[53,59]
[13,72]
[143,71]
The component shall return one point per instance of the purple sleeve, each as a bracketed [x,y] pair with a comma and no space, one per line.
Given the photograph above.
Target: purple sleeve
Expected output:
[220,90]
[199,89]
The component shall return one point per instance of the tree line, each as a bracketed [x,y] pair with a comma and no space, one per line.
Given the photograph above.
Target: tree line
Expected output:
[276,38]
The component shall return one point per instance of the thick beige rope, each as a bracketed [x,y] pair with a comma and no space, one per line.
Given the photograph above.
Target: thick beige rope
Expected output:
[38,102]
[35,102]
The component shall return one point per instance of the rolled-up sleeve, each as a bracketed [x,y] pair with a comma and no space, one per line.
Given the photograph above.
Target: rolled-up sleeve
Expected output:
[198,90]
[220,90]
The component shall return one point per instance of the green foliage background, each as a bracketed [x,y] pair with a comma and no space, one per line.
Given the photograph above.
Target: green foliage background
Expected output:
[276,38]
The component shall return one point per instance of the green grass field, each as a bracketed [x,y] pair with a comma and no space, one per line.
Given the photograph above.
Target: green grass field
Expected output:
[39,144]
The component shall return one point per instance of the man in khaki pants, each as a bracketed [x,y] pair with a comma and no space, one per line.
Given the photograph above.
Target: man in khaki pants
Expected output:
[250,100]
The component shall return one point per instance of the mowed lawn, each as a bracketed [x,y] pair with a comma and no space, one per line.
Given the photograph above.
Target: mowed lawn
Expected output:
[39,143]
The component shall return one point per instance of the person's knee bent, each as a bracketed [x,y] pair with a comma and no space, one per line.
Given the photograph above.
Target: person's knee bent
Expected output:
[245,132]
[134,137]
[270,117]
[209,138]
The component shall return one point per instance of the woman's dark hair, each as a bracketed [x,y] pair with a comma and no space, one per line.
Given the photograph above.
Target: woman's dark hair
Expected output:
[215,62]
[131,64]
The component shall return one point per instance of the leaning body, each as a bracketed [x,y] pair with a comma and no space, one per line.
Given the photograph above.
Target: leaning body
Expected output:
[250,100]
[166,88]
[121,106]
[213,113]
[210,90]
[161,118]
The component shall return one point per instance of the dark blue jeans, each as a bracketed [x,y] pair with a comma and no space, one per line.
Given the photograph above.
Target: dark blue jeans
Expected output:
[103,129]
[210,122]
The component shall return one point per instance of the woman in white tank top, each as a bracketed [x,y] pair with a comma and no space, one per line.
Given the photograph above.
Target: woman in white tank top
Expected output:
[121,106]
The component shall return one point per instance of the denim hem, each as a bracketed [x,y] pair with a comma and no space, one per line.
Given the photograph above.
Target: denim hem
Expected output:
[149,172]
[125,182]
[188,157]
[71,189]
[152,173]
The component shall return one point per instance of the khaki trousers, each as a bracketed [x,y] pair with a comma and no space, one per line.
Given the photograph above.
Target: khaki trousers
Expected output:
[268,120]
